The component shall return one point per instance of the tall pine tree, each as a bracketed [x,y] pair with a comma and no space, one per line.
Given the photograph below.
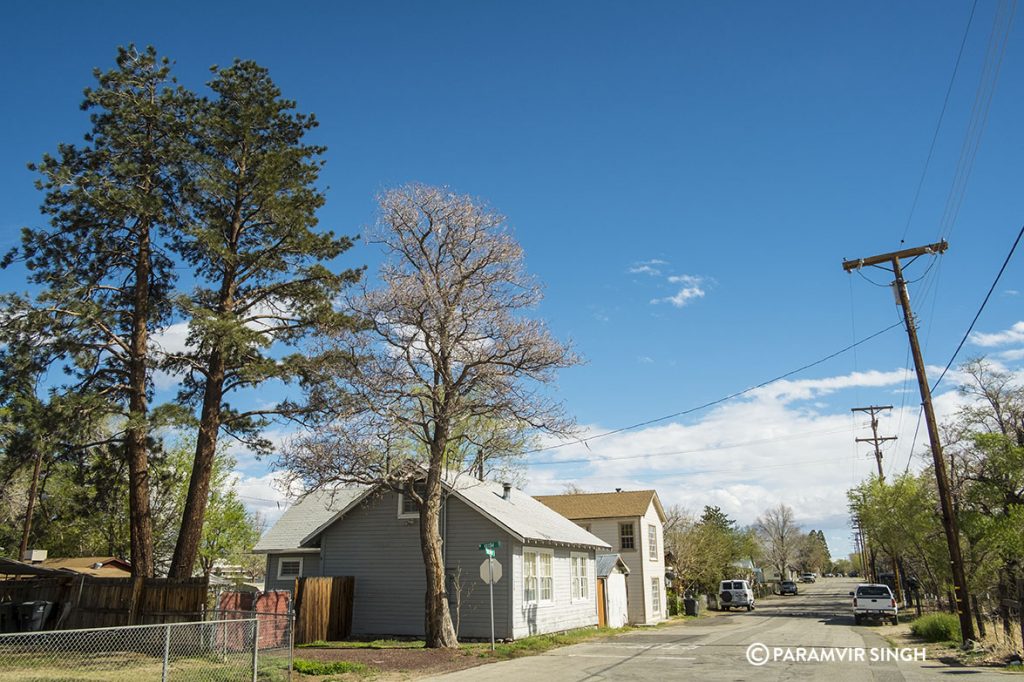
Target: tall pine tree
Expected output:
[264,270]
[105,279]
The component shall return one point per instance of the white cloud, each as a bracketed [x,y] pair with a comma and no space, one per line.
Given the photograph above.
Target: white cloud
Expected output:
[747,455]
[1011,355]
[267,495]
[647,267]
[1014,334]
[645,360]
[692,289]
[1011,292]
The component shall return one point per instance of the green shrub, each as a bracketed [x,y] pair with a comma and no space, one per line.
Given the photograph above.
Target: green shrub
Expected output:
[328,667]
[937,627]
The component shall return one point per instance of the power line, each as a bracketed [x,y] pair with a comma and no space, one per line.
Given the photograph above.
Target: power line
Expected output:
[718,401]
[727,446]
[995,282]
[938,124]
[984,93]
[744,469]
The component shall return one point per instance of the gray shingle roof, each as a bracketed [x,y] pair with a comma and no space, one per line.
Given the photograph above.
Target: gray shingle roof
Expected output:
[305,516]
[522,515]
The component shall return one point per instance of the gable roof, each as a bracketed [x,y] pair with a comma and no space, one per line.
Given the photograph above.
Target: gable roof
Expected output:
[606,563]
[523,517]
[604,505]
[315,510]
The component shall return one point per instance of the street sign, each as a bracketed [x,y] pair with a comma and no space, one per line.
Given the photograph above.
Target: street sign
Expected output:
[492,545]
[490,571]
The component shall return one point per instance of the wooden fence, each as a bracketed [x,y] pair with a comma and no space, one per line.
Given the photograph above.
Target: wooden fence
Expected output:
[323,608]
[82,601]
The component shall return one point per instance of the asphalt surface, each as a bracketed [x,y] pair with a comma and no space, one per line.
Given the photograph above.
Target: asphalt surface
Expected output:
[819,620]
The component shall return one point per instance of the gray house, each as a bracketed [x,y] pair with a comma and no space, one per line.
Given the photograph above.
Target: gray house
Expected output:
[548,581]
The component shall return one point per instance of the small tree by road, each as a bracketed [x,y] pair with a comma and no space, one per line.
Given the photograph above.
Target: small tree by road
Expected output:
[779,535]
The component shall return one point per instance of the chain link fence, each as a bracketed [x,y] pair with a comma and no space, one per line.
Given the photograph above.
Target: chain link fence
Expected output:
[248,647]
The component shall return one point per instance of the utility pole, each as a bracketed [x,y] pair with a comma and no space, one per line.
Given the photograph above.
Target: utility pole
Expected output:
[875,439]
[961,593]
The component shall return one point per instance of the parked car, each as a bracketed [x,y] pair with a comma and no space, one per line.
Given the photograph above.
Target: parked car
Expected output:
[807,577]
[787,587]
[874,602]
[735,593]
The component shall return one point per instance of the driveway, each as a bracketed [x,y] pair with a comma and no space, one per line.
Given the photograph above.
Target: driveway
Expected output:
[818,620]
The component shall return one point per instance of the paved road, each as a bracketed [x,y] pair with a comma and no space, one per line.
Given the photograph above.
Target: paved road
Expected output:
[715,648]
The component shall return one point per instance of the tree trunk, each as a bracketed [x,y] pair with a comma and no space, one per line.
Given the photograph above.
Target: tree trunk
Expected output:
[440,633]
[191,533]
[136,433]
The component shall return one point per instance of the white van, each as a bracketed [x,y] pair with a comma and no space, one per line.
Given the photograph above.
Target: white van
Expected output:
[735,593]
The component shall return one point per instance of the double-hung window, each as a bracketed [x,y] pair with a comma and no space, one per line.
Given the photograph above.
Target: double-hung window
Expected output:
[655,595]
[626,538]
[652,542]
[580,580]
[538,577]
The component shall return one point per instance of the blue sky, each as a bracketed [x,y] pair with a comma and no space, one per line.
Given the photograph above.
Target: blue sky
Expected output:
[743,149]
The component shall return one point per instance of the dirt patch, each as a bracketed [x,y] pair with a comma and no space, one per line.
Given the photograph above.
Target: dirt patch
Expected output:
[399,663]
[992,653]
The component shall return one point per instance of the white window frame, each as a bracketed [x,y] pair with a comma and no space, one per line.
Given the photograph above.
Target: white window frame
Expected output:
[656,595]
[402,514]
[652,542]
[537,552]
[579,587]
[282,559]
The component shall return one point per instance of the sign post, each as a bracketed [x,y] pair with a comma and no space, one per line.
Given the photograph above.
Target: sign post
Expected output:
[491,578]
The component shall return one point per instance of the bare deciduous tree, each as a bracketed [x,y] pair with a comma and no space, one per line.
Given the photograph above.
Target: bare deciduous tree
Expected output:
[446,366]
[780,536]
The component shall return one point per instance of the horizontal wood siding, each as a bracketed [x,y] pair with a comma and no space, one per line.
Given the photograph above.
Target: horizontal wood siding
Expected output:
[562,613]
[382,552]
[653,568]
[310,568]
[467,529]
[636,592]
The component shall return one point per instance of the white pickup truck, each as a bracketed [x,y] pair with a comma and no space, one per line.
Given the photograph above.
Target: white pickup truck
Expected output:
[874,602]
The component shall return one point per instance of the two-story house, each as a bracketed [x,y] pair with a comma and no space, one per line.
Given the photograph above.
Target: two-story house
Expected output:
[632,522]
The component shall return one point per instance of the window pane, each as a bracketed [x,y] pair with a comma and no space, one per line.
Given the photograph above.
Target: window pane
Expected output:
[652,542]
[626,536]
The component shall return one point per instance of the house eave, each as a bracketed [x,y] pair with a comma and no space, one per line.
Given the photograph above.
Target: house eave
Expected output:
[290,550]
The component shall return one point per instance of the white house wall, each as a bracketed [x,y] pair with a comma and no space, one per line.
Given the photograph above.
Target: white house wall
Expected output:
[562,613]
[641,568]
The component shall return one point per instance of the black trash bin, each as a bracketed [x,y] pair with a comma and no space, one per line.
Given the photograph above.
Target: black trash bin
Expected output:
[8,617]
[32,615]
[691,606]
